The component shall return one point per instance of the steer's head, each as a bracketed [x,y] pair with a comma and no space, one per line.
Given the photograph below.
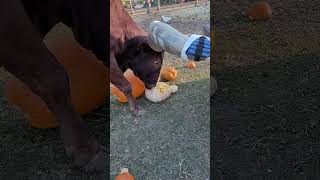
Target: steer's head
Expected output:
[146,63]
[143,60]
[146,52]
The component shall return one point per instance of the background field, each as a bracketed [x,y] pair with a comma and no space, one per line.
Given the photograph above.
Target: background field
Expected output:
[266,113]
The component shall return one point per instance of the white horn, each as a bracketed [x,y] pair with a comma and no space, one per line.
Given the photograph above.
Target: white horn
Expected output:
[154,46]
[163,37]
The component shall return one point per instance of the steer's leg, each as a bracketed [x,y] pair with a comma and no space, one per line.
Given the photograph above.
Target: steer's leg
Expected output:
[120,81]
[23,53]
[48,79]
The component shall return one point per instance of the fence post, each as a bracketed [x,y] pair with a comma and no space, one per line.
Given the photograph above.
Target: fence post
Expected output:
[197,2]
[131,7]
[149,6]
[158,5]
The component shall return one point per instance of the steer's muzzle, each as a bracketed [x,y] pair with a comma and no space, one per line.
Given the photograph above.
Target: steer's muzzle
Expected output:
[150,86]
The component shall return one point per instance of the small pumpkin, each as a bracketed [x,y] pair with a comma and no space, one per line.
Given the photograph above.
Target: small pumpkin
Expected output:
[124,175]
[137,85]
[88,79]
[161,92]
[191,65]
[169,73]
[260,10]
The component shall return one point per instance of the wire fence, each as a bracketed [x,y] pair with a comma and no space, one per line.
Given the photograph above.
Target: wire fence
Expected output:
[149,6]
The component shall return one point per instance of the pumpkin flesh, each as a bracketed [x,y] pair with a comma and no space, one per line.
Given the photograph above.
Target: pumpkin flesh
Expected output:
[137,86]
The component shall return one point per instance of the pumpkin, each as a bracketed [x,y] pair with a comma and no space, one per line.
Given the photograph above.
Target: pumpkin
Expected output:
[261,10]
[191,65]
[137,85]
[124,175]
[169,74]
[88,79]
[161,92]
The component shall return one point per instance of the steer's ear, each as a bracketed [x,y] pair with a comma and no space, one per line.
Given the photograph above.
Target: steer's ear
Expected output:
[143,45]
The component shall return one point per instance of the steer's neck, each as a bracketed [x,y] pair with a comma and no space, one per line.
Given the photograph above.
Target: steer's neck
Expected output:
[121,18]
[133,30]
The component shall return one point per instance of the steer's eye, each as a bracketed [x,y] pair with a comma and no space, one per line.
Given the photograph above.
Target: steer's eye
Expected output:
[156,62]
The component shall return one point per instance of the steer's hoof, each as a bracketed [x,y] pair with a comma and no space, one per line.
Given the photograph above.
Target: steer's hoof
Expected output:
[99,162]
[96,162]
[135,111]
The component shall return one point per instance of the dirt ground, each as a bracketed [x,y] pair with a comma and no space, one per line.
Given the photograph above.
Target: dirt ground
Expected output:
[265,116]
[170,141]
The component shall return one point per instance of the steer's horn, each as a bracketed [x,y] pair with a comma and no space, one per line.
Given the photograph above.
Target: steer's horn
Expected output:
[163,37]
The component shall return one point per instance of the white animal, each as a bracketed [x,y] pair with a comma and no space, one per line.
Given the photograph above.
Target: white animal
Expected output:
[166,19]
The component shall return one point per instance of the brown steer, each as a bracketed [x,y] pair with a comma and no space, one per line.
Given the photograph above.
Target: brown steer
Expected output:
[130,47]
[23,24]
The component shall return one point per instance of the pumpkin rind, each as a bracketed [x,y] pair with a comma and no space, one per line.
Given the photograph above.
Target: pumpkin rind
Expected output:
[261,10]
[169,73]
[191,65]
[137,85]
[124,175]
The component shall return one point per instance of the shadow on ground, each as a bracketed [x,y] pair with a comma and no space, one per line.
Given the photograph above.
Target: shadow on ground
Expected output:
[265,119]
[265,116]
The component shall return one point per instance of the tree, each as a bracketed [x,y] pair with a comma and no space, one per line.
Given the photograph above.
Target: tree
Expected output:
[158,5]
[148,6]
[131,6]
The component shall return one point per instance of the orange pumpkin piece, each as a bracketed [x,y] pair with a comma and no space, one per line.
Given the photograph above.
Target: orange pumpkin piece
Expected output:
[191,65]
[137,85]
[124,175]
[88,79]
[261,10]
[169,73]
